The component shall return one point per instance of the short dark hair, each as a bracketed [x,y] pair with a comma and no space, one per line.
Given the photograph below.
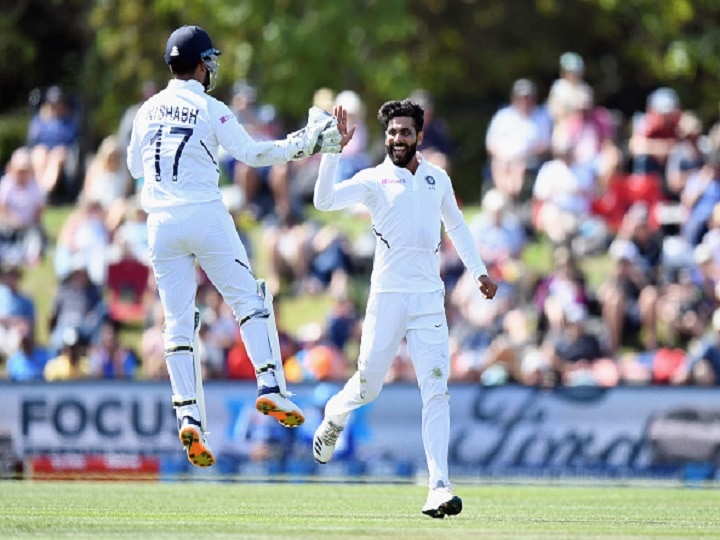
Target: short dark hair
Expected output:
[406,107]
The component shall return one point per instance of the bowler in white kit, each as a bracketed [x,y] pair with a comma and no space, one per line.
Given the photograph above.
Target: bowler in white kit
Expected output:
[408,199]
[174,147]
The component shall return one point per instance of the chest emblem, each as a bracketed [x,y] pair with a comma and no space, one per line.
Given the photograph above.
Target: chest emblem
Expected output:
[431,181]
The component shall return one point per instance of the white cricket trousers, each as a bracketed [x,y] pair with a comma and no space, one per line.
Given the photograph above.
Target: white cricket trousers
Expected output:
[420,318]
[204,231]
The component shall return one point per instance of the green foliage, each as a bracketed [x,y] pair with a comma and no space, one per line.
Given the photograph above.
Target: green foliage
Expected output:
[13,132]
[466,53]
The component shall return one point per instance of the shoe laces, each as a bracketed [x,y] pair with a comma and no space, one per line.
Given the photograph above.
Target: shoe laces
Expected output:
[331,433]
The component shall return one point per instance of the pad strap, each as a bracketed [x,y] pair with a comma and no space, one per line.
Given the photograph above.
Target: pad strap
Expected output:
[178,348]
[179,401]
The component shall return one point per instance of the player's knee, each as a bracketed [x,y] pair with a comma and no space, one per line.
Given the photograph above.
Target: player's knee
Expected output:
[257,314]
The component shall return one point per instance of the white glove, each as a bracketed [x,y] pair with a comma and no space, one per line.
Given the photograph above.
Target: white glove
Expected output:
[319,135]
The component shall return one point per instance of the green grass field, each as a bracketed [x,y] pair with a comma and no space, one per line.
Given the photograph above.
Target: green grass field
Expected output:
[309,510]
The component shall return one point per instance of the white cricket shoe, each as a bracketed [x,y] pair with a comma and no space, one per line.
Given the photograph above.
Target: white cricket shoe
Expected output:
[281,408]
[324,440]
[193,439]
[441,502]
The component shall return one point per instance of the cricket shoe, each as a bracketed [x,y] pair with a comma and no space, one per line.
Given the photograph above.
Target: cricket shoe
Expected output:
[441,502]
[271,402]
[193,439]
[324,440]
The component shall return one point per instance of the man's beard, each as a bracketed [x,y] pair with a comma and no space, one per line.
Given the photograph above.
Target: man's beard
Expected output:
[404,159]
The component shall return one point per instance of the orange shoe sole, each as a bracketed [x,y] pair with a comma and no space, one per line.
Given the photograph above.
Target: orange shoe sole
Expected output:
[286,418]
[198,453]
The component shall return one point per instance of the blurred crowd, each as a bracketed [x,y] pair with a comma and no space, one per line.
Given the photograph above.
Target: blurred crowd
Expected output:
[629,209]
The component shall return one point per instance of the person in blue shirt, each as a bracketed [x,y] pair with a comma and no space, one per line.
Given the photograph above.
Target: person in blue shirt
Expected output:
[28,362]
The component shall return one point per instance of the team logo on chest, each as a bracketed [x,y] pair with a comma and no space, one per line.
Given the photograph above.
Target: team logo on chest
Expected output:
[431,181]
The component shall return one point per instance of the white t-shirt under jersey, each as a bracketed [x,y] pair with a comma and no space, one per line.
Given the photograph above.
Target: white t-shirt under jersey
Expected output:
[406,211]
[174,146]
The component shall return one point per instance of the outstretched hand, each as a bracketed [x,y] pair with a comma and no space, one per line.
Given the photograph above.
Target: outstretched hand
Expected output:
[341,114]
[487,287]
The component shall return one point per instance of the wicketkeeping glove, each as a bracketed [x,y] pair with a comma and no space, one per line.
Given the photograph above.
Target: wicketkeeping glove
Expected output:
[319,135]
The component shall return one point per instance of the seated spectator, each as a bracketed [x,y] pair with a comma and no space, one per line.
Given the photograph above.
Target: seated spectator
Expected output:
[354,156]
[130,238]
[628,300]
[106,181]
[218,332]
[22,204]
[564,286]
[562,97]
[702,362]
[437,145]
[83,237]
[687,298]
[53,136]
[518,141]
[78,306]
[152,347]
[578,356]
[475,326]
[108,358]
[589,131]
[71,363]
[316,359]
[655,132]
[17,310]
[636,227]
[685,156]
[343,323]
[498,232]
[561,199]
[699,197]
[287,247]
[28,362]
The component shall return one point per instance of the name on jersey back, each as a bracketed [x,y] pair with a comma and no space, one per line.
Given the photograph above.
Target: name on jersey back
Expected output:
[173,113]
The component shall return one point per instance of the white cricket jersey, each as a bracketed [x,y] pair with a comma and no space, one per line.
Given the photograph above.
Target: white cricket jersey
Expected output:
[406,211]
[174,146]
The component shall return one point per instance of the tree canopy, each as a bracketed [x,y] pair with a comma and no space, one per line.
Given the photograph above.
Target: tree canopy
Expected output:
[465,52]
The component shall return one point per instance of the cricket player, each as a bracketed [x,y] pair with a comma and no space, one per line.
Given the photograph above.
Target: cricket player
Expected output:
[174,147]
[407,199]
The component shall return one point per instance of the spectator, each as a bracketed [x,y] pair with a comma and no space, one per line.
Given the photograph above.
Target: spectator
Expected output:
[28,362]
[83,237]
[699,197]
[152,348]
[628,300]
[564,91]
[561,198]
[685,156]
[564,286]
[22,205]
[636,227]
[71,363]
[702,363]
[130,239]
[437,145]
[53,136]
[108,358]
[17,310]
[518,140]
[107,181]
[589,133]
[343,323]
[655,132]
[354,155]
[578,356]
[687,299]
[499,234]
[148,89]
[78,306]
